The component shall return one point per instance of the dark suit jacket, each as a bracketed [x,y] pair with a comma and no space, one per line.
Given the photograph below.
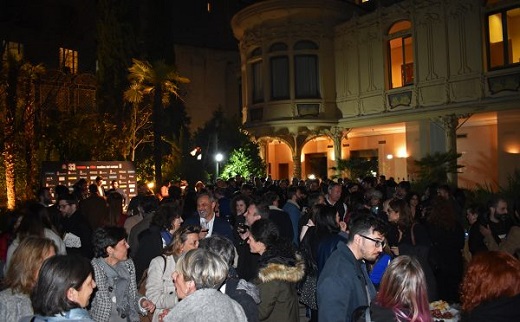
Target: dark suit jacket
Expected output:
[95,210]
[220,226]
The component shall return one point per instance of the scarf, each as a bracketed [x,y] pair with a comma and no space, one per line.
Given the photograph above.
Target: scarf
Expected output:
[118,278]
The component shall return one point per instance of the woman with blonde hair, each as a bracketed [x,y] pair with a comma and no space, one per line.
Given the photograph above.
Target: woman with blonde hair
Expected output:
[490,289]
[21,277]
[159,285]
[403,293]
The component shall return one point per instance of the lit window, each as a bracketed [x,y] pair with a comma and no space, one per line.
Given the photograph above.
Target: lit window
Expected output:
[257,76]
[279,62]
[69,60]
[400,46]
[13,48]
[504,24]
[306,82]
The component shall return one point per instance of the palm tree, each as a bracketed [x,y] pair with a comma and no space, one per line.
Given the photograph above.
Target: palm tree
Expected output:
[160,81]
[138,128]
[17,90]
[10,71]
[28,75]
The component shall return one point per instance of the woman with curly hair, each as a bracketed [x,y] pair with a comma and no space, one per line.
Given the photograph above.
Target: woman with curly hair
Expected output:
[491,288]
[116,298]
[239,206]
[280,269]
[403,293]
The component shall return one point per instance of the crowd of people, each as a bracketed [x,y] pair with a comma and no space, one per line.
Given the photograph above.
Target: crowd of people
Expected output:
[260,250]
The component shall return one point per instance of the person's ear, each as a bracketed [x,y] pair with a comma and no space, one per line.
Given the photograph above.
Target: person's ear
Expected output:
[110,250]
[357,239]
[72,294]
[191,287]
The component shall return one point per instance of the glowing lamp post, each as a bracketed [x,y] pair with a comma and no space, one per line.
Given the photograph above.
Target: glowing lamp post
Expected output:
[218,157]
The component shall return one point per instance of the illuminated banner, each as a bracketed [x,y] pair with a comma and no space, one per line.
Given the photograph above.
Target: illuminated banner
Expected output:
[68,173]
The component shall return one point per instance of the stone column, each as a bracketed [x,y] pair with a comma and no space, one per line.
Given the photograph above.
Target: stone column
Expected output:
[450,123]
[298,142]
[297,164]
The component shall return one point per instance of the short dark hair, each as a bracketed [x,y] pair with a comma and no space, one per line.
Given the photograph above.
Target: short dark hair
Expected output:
[362,224]
[166,213]
[270,197]
[495,199]
[69,198]
[262,209]
[405,185]
[208,194]
[265,231]
[107,236]
[149,203]
[92,188]
[56,276]
[61,190]
[291,191]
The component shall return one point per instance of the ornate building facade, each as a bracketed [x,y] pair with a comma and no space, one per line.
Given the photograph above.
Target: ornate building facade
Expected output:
[394,81]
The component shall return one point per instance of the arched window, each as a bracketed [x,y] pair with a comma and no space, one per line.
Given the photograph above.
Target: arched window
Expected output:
[401,58]
[256,75]
[503,24]
[306,82]
[279,62]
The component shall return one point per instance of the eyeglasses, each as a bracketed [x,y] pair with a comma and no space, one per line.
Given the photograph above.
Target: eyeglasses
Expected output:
[63,205]
[378,243]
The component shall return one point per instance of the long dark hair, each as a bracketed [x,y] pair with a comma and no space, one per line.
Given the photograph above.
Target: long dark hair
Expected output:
[277,249]
[325,219]
[57,275]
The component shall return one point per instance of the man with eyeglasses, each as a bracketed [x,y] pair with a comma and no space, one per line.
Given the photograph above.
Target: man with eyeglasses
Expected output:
[78,235]
[343,284]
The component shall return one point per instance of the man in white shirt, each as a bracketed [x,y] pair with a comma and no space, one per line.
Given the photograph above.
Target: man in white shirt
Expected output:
[207,220]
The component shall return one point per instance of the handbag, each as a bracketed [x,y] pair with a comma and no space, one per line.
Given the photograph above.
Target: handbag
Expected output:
[307,291]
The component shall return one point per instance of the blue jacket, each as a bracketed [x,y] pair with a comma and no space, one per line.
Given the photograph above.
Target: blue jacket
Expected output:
[77,315]
[220,226]
[342,286]
[294,213]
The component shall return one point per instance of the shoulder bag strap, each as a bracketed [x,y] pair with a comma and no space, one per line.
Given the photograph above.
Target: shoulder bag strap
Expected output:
[412,234]
[164,258]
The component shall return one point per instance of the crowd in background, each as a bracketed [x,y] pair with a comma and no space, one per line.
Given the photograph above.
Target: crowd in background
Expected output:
[258,250]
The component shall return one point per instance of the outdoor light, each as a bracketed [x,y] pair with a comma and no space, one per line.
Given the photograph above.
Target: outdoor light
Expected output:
[195,151]
[150,185]
[218,157]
